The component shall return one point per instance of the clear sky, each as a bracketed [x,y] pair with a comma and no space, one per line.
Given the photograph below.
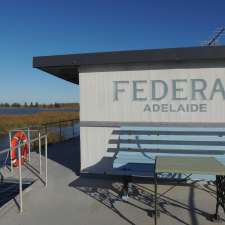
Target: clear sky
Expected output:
[31,28]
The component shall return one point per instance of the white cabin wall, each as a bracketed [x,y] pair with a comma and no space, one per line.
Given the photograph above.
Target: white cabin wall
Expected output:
[97,105]
[94,145]
[97,96]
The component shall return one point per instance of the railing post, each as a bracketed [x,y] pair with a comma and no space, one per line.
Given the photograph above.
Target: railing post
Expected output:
[10,145]
[46,161]
[39,143]
[60,130]
[73,128]
[20,180]
[46,129]
[28,134]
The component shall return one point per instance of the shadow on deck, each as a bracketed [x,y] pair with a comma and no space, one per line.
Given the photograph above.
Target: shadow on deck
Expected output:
[9,191]
[71,199]
[178,204]
[195,202]
[66,153]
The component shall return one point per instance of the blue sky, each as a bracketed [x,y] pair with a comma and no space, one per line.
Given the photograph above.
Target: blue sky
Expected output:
[33,28]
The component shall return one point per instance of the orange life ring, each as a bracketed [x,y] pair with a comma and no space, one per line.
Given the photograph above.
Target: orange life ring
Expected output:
[17,139]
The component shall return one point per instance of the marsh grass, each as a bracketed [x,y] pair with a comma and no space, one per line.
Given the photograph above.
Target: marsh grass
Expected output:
[8,122]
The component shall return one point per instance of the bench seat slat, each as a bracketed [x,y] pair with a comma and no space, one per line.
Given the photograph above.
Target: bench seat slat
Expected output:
[149,158]
[190,138]
[210,131]
[170,151]
[167,142]
[149,147]
[171,129]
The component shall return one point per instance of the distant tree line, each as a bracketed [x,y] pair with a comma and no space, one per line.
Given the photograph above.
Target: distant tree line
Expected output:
[38,105]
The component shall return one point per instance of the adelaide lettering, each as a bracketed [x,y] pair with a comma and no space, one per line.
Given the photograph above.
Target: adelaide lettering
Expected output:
[155,91]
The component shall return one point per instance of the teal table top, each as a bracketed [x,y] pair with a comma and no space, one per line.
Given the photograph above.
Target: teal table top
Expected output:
[188,164]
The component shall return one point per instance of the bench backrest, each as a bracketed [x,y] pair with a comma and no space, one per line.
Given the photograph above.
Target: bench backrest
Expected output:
[135,148]
[171,140]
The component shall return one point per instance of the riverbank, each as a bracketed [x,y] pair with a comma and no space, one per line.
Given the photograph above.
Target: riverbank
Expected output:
[8,122]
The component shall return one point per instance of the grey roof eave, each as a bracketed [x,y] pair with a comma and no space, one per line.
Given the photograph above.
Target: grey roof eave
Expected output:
[65,65]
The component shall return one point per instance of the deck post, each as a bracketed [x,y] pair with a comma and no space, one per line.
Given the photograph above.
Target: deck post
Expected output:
[20,180]
[39,143]
[28,134]
[10,145]
[46,161]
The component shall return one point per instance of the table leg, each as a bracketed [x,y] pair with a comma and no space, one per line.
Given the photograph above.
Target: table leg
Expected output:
[126,188]
[220,195]
[156,200]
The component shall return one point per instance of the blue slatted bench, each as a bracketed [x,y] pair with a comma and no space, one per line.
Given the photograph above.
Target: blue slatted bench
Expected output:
[137,147]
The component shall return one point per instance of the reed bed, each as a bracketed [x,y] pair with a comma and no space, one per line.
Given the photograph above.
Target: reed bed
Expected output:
[8,122]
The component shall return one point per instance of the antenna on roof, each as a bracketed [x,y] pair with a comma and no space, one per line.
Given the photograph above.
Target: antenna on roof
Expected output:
[214,40]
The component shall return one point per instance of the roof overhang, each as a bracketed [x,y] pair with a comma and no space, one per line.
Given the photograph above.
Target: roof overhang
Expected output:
[67,66]
[68,73]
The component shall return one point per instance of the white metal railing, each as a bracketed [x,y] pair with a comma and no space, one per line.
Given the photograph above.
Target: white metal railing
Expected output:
[8,151]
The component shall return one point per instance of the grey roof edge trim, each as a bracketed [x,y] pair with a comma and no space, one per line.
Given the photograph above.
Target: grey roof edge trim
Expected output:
[137,56]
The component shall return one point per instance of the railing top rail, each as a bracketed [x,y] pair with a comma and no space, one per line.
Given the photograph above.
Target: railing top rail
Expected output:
[16,129]
[4,151]
[38,128]
[22,144]
[58,122]
[28,129]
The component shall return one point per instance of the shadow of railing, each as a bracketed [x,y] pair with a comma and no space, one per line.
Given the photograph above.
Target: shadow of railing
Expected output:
[9,191]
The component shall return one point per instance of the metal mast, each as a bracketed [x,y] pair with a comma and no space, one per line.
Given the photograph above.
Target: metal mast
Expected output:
[214,40]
